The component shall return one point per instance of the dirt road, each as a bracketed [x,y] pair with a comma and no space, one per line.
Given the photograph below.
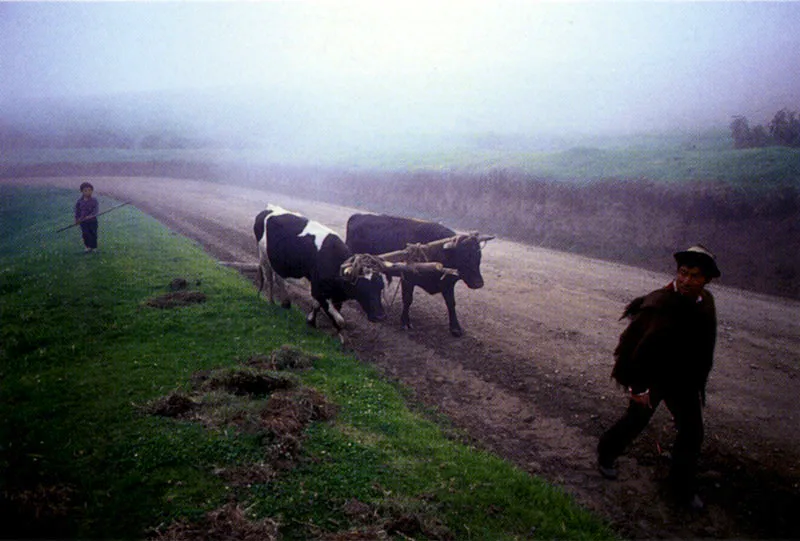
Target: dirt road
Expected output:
[530,378]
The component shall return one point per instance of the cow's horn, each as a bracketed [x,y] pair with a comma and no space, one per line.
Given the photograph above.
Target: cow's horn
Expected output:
[485,238]
[347,271]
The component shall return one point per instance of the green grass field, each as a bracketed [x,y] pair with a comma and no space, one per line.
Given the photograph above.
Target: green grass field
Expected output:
[708,157]
[82,355]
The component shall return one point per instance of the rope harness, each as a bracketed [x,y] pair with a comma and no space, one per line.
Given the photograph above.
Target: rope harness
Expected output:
[362,264]
[417,253]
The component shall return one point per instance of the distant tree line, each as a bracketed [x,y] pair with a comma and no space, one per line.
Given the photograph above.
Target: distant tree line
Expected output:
[783,130]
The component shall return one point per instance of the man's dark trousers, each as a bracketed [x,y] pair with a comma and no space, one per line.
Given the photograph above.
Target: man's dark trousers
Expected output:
[686,408]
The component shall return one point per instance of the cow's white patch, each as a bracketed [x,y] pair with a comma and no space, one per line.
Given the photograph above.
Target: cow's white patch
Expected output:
[277,211]
[337,317]
[318,231]
[312,228]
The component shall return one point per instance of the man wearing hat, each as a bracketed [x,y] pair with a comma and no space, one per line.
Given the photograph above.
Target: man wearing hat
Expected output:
[665,354]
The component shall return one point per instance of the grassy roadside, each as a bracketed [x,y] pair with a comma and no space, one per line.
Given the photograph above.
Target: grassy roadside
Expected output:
[83,359]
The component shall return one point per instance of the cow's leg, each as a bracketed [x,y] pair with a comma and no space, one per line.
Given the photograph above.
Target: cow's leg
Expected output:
[311,318]
[408,297]
[264,268]
[265,274]
[280,283]
[261,278]
[448,292]
[331,310]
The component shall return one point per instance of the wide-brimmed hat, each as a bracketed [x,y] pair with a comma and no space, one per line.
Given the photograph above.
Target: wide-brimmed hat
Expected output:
[699,256]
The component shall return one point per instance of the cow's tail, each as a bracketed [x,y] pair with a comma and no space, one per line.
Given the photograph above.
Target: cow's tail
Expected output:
[259,229]
[261,277]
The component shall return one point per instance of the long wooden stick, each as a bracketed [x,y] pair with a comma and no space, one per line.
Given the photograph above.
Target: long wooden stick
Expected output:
[401,255]
[93,216]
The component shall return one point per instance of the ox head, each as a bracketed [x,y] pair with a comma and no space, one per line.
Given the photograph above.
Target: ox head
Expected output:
[463,253]
[364,283]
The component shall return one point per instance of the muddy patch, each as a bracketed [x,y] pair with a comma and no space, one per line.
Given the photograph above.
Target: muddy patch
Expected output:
[391,520]
[176,299]
[223,524]
[246,380]
[178,296]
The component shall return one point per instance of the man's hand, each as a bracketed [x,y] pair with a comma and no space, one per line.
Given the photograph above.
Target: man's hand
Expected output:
[642,398]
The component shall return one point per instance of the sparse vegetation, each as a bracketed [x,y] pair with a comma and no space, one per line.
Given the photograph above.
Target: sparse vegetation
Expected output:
[107,429]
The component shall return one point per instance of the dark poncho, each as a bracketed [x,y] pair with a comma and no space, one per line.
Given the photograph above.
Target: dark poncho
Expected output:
[669,343]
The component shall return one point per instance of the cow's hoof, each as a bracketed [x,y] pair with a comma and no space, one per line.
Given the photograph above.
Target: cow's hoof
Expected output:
[458,333]
[286,304]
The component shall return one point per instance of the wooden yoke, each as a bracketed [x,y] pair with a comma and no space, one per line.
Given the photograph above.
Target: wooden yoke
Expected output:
[415,252]
[413,258]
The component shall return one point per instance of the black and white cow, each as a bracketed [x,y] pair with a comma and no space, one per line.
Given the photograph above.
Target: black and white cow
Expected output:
[292,246]
[381,234]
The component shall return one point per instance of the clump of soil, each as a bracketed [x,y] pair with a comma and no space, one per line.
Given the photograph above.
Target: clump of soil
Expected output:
[178,284]
[226,523]
[285,418]
[391,519]
[288,412]
[39,512]
[247,381]
[284,358]
[179,296]
[177,299]
[175,404]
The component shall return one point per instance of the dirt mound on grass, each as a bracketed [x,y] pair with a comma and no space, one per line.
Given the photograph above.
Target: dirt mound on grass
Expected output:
[173,405]
[247,381]
[224,524]
[284,358]
[387,521]
[177,299]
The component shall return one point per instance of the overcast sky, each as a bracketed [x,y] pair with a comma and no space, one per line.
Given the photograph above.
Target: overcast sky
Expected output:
[494,65]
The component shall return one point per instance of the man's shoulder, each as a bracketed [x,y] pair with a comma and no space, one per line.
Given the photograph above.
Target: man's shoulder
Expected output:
[658,298]
[653,300]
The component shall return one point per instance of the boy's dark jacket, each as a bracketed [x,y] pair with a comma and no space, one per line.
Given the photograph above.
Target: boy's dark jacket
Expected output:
[668,345]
